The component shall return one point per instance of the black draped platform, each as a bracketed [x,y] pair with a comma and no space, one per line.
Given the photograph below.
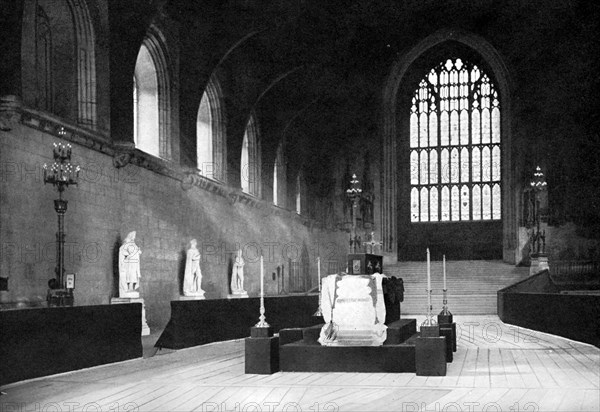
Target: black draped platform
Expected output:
[299,351]
[196,322]
[44,341]
[538,303]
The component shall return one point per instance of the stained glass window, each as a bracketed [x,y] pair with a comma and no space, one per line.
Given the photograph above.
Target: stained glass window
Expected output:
[455,145]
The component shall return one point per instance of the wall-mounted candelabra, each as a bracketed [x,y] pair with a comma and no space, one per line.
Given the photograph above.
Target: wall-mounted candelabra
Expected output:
[354,193]
[538,237]
[60,174]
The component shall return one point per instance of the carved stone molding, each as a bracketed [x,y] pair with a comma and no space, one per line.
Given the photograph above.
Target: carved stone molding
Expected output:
[10,112]
[65,130]
[192,178]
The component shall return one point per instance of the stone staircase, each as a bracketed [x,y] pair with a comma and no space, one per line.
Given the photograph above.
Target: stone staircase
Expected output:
[472,285]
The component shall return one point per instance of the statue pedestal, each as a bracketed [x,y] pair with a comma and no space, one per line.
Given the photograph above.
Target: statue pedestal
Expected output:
[195,296]
[237,295]
[120,300]
[134,294]
[191,297]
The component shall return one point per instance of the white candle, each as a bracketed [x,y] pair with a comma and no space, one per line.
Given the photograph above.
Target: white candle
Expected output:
[428,271]
[262,277]
[444,270]
[319,271]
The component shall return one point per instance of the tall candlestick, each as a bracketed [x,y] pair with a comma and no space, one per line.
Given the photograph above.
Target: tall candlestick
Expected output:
[262,323]
[262,277]
[444,270]
[428,271]
[319,312]
[319,271]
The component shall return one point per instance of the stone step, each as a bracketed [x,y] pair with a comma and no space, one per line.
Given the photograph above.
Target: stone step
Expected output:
[472,304]
[472,285]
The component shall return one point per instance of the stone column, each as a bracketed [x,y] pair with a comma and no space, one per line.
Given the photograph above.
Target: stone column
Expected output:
[11,19]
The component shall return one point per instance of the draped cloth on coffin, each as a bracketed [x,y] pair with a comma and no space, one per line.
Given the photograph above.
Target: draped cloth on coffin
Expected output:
[354,310]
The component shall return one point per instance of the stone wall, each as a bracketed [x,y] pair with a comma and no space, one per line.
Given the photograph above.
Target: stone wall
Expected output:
[109,202]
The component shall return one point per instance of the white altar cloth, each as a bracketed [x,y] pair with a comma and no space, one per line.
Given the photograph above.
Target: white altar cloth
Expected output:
[354,311]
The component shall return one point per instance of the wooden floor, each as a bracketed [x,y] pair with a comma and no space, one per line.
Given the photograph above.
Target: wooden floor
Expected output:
[497,367]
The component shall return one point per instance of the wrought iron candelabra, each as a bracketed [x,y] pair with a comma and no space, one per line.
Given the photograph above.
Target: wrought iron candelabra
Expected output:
[354,193]
[538,237]
[61,174]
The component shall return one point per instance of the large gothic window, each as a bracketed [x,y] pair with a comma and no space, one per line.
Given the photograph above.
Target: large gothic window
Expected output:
[455,146]
[210,147]
[250,166]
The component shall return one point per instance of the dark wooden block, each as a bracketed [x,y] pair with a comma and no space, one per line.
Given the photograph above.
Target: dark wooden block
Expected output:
[430,331]
[447,333]
[262,355]
[452,327]
[430,356]
[400,330]
[256,332]
[444,319]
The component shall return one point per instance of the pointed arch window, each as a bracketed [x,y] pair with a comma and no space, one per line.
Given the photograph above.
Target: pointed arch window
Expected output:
[43,60]
[58,59]
[152,101]
[300,193]
[279,179]
[146,103]
[250,166]
[210,135]
[455,144]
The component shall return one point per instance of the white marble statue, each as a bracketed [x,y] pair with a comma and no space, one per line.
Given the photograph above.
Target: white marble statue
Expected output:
[129,267]
[192,278]
[237,274]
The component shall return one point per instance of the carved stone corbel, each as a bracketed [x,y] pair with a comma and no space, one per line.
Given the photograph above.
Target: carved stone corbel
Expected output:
[187,182]
[10,112]
[123,154]
[233,198]
[121,158]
